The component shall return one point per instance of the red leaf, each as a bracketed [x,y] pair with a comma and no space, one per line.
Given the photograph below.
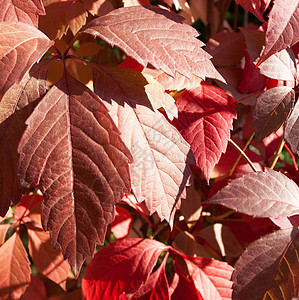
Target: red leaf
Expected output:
[211,277]
[160,171]
[15,268]
[121,225]
[120,267]
[92,175]
[283,27]
[257,7]
[156,287]
[271,110]
[269,267]
[174,49]
[15,107]
[20,11]
[292,130]
[36,290]
[205,119]
[47,260]
[260,194]
[21,45]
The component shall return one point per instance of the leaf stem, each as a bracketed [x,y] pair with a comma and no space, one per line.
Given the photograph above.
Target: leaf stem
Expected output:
[249,96]
[277,153]
[243,154]
[231,171]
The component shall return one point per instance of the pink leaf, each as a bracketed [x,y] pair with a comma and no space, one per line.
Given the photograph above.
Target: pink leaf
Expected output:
[283,27]
[159,172]
[269,266]
[71,125]
[152,35]
[47,260]
[292,130]
[20,11]
[120,227]
[21,45]
[15,268]
[120,267]
[205,119]
[260,194]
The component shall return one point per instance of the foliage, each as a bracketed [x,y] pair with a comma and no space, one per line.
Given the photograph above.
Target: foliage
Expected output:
[124,137]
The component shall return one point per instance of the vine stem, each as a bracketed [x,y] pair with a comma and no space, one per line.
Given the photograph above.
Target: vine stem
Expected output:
[249,96]
[243,154]
[240,155]
[278,151]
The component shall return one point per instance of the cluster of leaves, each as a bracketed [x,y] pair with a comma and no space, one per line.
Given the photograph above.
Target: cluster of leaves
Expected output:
[116,124]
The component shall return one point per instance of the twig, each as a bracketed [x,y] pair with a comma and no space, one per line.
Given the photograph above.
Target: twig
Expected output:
[249,96]
[278,151]
[243,154]
[239,156]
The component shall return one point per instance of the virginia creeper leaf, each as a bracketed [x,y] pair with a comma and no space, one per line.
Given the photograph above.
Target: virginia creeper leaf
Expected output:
[291,133]
[269,267]
[47,260]
[271,110]
[121,225]
[156,287]
[20,11]
[21,45]
[260,194]
[211,277]
[159,172]
[205,118]
[255,7]
[15,107]
[15,268]
[152,35]
[283,27]
[120,267]
[72,151]
[3,231]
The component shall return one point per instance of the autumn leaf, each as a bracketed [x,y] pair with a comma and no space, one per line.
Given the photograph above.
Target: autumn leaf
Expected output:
[121,267]
[134,30]
[92,174]
[283,27]
[256,7]
[159,172]
[15,107]
[271,110]
[15,268]
[121,225]
[260,194]
[269,267]
[16,11]
[47,260]
[205,119]
[292,129]
[21,45]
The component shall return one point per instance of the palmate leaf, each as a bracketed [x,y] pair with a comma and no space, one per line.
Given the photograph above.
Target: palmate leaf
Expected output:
[72,151]
[205,118]
[269,268]
[20,11]
[152,35]
[160,169]
[267,194]
[21,45]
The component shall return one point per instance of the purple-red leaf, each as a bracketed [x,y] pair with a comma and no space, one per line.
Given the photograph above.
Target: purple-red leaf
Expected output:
[271,110]
[291,133]
[121,267]
[14,268]
[283,27]
[21,11]
[72,151]
[260,194]
[159,172]
[257,7]
[152,35]
[205,118]
[269,268]
[15,107]
[21,45]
